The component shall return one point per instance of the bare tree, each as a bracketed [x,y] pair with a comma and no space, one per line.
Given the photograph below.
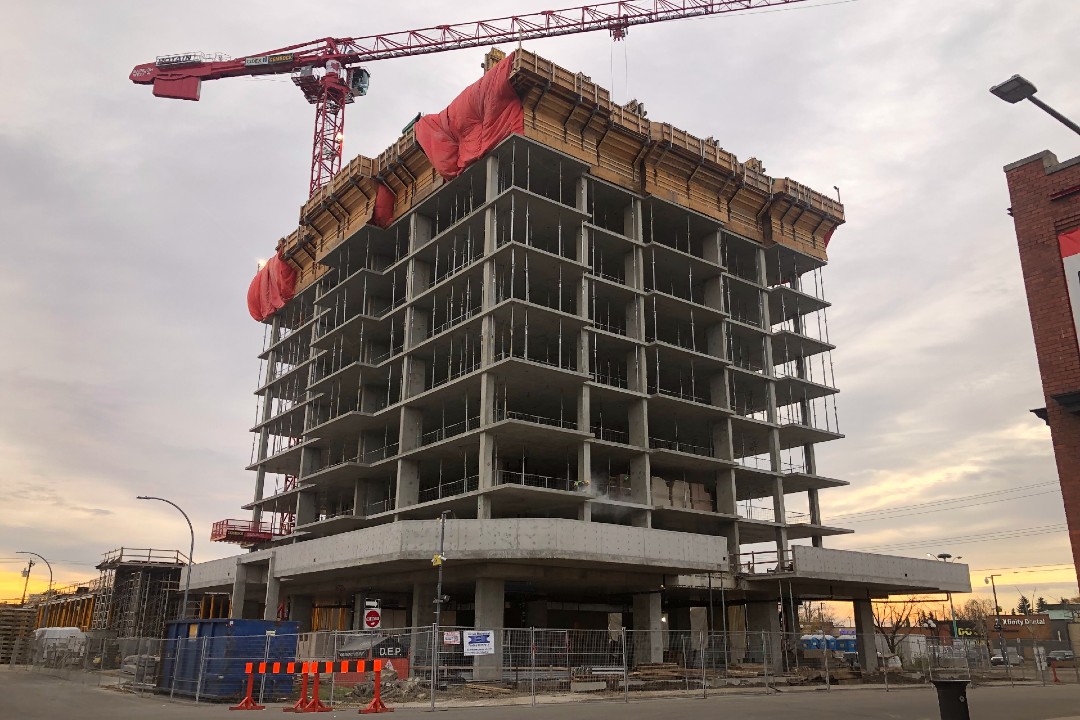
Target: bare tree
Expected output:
[894,620]
[816,617]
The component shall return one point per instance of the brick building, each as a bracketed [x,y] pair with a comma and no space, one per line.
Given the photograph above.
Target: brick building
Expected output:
[1045,197]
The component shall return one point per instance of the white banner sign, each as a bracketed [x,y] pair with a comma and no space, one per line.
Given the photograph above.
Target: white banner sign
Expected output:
[479,642]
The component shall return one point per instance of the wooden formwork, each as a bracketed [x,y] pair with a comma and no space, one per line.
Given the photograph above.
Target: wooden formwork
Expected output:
[569,112]
[16,628]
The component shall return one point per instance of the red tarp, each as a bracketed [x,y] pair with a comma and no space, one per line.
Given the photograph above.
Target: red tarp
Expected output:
[273,286]
[1069,242]
[383,214]
[482,116]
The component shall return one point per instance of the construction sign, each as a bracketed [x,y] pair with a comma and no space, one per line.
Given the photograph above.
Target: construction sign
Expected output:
[373,618]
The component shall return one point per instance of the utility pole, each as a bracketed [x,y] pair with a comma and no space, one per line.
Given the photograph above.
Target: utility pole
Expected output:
[438,562]
[998,626]
[26,574]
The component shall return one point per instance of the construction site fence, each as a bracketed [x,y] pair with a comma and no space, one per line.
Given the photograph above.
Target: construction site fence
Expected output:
[530,666]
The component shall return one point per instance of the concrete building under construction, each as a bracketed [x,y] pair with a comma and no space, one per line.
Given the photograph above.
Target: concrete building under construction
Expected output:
[597,345]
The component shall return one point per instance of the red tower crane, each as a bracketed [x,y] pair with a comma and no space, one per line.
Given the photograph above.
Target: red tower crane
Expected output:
[327,71]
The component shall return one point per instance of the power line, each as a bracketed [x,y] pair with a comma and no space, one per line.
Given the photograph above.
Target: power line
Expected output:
[1024,567]
[963,506]
[990,536]
[944,501]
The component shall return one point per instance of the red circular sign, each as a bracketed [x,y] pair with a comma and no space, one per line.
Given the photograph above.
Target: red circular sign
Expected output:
[372,618]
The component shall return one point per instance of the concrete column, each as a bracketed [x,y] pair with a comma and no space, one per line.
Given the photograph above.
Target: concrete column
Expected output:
[865,631]
[491,177]
[764,617]
[489,603]
[679,638]
[408,483]
[301,609]
[239,592]
[648,646]
[423,616]
[273,592]
[264,433]
[307,508]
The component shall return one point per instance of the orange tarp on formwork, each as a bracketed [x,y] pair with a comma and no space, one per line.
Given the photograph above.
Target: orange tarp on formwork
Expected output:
[482,116]
[272,287]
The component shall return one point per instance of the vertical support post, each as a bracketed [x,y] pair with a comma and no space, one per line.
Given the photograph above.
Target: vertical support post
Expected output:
[765,658]
[262,676]
[532,664]
[202,670]
[704,680]
[625,670]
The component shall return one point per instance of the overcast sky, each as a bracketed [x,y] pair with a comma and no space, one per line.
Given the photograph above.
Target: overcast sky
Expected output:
[131,226]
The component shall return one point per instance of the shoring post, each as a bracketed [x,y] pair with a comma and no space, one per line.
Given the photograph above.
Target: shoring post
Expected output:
[625,672]
[765,658]
[532,665]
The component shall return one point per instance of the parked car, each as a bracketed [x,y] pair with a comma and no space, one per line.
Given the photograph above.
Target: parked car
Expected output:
[997,659]
[1061,657]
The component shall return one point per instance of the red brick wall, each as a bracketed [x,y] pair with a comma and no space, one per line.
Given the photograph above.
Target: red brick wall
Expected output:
[1039,219]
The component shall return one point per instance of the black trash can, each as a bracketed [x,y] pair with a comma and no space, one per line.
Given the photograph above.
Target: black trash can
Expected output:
[952,699]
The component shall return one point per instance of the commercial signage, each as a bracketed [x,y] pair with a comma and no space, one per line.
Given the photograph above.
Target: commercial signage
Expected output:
[269,59]
[479,642]
[181,59]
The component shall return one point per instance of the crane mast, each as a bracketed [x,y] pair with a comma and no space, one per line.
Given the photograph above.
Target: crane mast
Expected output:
[329,75]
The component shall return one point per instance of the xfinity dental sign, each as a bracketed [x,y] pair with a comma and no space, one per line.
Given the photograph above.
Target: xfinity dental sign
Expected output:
[479,642]
[1069,243]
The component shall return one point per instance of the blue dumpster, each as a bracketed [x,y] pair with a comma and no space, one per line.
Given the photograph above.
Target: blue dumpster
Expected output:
[210,657]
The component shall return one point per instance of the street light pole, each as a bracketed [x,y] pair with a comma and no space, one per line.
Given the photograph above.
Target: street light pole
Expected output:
[438,561]
[997,624]
[191,551]
[1019,88]
[48,595]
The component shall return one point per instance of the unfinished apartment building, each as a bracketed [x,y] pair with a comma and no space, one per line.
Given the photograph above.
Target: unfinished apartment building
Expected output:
[599,349]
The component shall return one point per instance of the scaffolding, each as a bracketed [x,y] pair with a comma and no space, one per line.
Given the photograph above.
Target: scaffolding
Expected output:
[137,591]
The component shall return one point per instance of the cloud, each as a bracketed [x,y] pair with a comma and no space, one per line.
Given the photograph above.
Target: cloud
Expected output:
[131,226]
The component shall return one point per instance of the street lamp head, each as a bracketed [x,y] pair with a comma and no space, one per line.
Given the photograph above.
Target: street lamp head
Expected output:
[944,556]
[1014,89]
[986,581]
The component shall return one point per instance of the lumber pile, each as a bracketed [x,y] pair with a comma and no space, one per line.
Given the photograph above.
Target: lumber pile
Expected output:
[488,690]
[16,628]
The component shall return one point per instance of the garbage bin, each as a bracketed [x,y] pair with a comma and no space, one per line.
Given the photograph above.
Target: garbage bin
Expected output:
[952,699]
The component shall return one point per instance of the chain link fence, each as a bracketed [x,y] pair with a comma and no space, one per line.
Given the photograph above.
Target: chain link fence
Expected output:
[526,666]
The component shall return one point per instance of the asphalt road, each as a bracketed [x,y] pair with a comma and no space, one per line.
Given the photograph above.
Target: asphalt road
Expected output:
[33,696]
